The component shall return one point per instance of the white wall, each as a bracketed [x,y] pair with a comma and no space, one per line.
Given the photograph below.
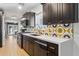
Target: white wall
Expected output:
[76,39]
[32,21]
[19,25]
[3,31]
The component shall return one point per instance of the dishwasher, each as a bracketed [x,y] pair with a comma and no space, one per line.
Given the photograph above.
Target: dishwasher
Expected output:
[40,48]
[43,48]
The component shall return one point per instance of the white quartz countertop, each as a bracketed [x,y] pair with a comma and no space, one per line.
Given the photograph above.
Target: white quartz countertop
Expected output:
[47,38]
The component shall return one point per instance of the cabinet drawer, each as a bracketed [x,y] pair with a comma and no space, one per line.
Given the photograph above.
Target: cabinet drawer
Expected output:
[51,54]
[52,47]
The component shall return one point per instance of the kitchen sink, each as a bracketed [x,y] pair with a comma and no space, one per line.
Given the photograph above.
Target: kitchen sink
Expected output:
[28,32]
[35,34]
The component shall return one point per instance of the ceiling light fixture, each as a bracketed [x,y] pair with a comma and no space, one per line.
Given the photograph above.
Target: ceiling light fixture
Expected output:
[20,5]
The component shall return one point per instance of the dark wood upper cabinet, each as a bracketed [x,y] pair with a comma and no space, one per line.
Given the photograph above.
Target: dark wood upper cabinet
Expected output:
[46,13]
[60,13]
[68,12]
[29,19]
[54,12]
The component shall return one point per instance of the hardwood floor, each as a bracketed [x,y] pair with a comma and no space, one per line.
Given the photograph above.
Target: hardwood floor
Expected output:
[11,48]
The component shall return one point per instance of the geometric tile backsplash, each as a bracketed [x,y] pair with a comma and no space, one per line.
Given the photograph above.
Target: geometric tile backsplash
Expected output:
[56,30]
[62,30]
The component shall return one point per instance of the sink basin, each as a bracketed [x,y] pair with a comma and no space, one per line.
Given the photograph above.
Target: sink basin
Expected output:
[35,34]
[28,32]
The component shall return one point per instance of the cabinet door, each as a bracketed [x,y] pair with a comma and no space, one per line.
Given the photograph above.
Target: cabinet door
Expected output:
[68,12]
[60,13]
[54,12]
[39,50]
[52,49]
[27,44]
[31,47]
[46,14]
[24,43]
[19,40]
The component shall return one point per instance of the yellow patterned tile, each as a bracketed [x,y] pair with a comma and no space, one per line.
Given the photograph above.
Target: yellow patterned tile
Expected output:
[71,31]
[60,30]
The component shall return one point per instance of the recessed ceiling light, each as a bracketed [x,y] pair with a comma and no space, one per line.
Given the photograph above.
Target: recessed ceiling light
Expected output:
[19,7]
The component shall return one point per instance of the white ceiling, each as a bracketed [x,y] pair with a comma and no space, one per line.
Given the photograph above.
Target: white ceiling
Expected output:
[11,9]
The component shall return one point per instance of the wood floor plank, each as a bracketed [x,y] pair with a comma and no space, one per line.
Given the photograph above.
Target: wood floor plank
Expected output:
[11,48]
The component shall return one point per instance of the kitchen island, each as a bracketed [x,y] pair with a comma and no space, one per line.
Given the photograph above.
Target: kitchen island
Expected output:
[42,45]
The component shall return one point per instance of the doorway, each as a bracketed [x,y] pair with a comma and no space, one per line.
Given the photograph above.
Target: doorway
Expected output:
[12,29]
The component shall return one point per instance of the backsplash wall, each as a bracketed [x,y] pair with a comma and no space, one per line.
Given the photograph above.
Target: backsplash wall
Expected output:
[55,30]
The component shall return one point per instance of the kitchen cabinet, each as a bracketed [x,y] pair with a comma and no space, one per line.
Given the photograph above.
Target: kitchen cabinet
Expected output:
[52,49]
[25,23]
[43,48]
[28,45]
[46,14]
[25,44]
[60,13]
[29,19]
[40,48]
[31,46]
[1,17]
[36,47]
[20,40]
[54,12]
[70,12]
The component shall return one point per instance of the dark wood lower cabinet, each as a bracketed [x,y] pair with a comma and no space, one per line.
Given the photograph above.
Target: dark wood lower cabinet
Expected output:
[31,46]
[36,47]
[40,49]
[25,43]
[51,53]
[52,49]
[28,45]
[20,40]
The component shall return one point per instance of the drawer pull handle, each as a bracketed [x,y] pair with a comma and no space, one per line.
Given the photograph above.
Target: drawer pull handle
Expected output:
[51,47]
[41,43]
